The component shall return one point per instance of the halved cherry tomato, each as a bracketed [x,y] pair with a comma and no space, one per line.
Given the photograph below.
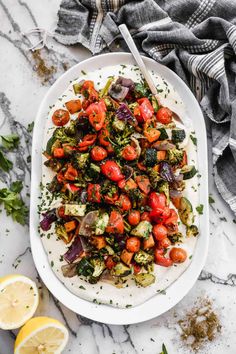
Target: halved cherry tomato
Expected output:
[134,217]
[112,171]
[145,216]
[159,215]
[59,153]
[73,106]
[178,255]
[110,149]
[130,184]
[121,183]
[143,183]
[103,137]
[71,173]
[72,187]
[159,232]
[157,201]
[173,217]
[61,212]
[146,109]
[94,194]
[165,243]
[98,153]
[133,244]
[129,153]
[60,117]
[115,224]
[160,259]
[109,262]
[164,115]
[137,114]
[97,115]
[141,166]
[124,202]
[60,177]
[88,91]
[88,140]
[111,199]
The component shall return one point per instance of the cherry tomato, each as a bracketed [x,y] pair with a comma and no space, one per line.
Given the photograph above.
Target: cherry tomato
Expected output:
[88,91]
[109,262]
[73,106]
[115,224]
[111,199]
[164,243]
[110,149]
[97,115]
[159,232]
[112,171]
[60,177]
[124,202]
[61,212]
[88,140]
[157,201]
[161,260]
[71,173]
[94,194]
[129,153]
[178,255]
[103,137]
[58,153]
[134,217]
[60,117]
[98,153]
[121,183]
[172,218]
[146,109]
[164,115]
[133,244]
[145,216]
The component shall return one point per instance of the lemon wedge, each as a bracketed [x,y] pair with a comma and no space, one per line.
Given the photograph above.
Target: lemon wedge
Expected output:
[18,300]
[41,335]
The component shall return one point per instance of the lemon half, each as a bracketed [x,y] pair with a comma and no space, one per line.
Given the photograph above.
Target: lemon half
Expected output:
[18,300]
[41,335]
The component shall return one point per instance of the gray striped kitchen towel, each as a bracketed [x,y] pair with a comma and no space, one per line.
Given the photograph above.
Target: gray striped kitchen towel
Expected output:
[195,38]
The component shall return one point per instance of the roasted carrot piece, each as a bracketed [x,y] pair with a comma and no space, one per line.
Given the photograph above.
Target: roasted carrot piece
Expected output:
[73,106]
[143,183]
[152,134]
[126,256]
[70,225]
[130,184]
[148,243]
[161,155]
[98,241]
[176,201]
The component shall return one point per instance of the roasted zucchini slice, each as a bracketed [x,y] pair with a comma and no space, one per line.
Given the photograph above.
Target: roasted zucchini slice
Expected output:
[188,171]
[144,279]
[178,135]
[186,212]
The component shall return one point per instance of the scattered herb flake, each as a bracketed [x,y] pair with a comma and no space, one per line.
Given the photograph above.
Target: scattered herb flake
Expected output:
[30,127]
[199,209]
[194,139]
[5,164]
[164,350]
[211,200]
[82,287]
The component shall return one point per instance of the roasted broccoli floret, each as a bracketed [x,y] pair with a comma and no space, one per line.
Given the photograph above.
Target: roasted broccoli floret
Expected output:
[176,238]
[175,156]
[154,177]
[61,232]
[163,187]
[81,160]
[143,258]
[54,164]
[84,267]
[192,231]
[118,125]
[62,135]
[98,266]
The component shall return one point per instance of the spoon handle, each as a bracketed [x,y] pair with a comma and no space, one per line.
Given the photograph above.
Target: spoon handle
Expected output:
[134,50]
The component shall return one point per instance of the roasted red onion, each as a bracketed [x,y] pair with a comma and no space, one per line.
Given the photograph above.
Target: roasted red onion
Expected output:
[166,172]
[128,172]
[118,92]
[175,194]
[163,145]
[69,270]
[124,113]
[48,218]
[123,81]
[74,250]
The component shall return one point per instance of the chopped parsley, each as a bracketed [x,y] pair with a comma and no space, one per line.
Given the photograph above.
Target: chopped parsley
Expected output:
[199,209]
[31,126]
[5,164]
[164,350]
[82,287]
[211,200]
[13,203]
[11,141]
[194,139]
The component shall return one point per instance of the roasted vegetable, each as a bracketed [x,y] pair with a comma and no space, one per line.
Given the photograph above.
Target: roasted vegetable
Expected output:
[188,171]
[144,279]
[186,212]
[150,157]
[154,178]
[163,135]
[75,209]
[101,224]
[143,229]
[143,258]
[61,232]
[178,135]
[82,160]
[48,218]
[98,266]
[118,124]
[164,187]
[175,156]
[84,267]
[74,251]
[192,230]
[120,270]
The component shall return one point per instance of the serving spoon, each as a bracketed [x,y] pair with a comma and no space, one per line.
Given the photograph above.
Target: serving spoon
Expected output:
[134,51]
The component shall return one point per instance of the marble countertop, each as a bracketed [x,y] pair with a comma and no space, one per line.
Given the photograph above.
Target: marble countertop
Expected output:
[21,91]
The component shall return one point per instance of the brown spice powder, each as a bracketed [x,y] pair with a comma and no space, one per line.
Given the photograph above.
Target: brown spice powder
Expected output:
[44,72]
[200,325]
